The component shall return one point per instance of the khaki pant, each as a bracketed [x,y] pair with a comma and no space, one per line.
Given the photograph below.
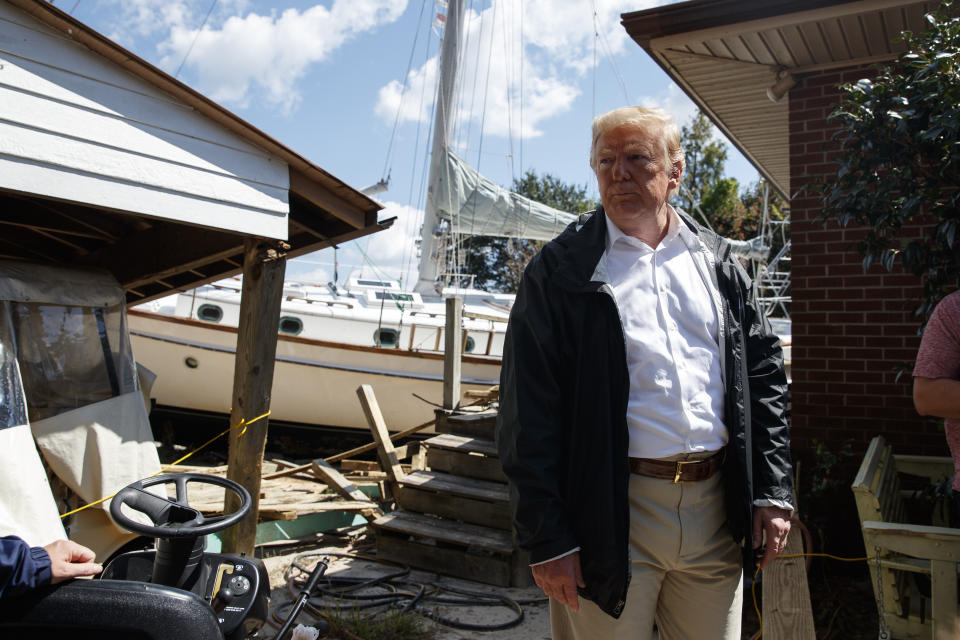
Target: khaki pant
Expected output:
[687,574]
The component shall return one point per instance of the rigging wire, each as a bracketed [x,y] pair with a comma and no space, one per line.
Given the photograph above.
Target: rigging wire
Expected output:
[476,78]
[595,38]
[522,50]
[486,93]
[410,251]
[403,90]
[508,68]
[608,53]
[195,37]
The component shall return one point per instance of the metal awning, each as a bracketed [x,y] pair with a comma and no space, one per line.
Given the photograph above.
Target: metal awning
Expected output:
[727,54]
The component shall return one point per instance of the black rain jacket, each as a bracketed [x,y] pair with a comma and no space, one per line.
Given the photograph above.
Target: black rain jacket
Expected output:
[562,431]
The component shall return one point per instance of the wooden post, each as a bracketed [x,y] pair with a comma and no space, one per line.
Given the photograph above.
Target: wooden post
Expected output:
[263,271]
[787,612]
[386,454]
[452,347]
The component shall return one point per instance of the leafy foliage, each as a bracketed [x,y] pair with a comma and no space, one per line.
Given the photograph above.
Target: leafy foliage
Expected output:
[498,263]
[705,157]
[731,213]
[900,159]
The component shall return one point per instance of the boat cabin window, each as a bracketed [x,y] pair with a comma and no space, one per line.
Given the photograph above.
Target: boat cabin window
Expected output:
[210,313]
[374,283]
[291,325]
[402,297]
[470,346]
[386,337]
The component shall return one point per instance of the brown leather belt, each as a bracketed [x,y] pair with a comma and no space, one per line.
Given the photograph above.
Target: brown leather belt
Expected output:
[678,470]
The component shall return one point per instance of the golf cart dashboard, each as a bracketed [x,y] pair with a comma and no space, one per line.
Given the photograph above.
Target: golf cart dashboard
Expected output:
[228,583]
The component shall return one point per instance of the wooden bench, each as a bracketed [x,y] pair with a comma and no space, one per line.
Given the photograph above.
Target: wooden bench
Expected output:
[902,549]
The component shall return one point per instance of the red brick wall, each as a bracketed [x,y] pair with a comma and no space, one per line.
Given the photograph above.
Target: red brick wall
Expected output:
[850,328]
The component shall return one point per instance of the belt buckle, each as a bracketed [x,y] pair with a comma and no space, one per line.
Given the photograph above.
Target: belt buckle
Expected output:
[680,463]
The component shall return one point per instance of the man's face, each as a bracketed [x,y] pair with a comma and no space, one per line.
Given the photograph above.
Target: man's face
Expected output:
[633,176]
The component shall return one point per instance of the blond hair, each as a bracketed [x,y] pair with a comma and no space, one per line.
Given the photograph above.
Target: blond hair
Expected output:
[650,120]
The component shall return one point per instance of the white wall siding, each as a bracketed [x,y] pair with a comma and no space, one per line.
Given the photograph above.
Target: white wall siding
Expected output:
[77,127]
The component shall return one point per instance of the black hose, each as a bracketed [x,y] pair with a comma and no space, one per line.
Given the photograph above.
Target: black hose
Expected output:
[304,596]
[407,596]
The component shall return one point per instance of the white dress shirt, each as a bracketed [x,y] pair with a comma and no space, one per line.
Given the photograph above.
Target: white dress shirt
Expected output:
[670,314]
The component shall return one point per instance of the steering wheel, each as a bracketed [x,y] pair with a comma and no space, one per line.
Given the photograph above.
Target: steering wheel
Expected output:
[175,518]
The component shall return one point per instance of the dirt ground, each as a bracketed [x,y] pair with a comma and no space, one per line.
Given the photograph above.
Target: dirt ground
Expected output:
[841,597]
[535,624]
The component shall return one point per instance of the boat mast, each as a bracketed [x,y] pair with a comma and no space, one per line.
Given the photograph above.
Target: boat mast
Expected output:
[443,119]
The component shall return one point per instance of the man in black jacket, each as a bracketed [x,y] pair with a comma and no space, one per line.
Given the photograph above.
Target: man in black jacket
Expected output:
[642,420]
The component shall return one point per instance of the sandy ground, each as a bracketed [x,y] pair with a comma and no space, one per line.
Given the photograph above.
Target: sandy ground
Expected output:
[535,624]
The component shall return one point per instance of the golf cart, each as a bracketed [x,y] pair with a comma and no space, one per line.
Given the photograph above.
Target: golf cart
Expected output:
[177,591]
[73,429]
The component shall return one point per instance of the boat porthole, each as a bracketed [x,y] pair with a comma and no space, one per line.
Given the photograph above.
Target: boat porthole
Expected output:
[471,345]
[291,325]
[386,337]
[210,313]
[191,362]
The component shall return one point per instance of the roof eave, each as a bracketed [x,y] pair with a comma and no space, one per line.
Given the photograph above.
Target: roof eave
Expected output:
[79,32]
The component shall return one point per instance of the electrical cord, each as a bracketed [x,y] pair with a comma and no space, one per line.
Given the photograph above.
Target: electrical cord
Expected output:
[393,593]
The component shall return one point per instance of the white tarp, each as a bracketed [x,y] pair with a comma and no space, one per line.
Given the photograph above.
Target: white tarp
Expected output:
[31,514]
[28,282]
[97,450]
[76,384]
[477,206]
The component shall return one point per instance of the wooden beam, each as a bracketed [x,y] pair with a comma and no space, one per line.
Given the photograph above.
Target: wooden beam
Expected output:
[386,454]
[305,241]
[452,346]
[252,381]
[346,489]
[943,596]
[164,251]
[27,214]
[326,199]
[787,612]
[915,540]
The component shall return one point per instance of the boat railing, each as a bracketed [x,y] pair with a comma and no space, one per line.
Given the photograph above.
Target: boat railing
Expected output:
[436,333]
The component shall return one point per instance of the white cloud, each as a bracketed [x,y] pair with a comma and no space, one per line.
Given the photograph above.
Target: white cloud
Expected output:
[239,53]
[271,53]
[132,19]
[558,50]
[389,253]
[674,101]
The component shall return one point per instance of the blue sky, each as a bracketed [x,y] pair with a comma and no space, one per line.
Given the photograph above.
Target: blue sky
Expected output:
[349,85]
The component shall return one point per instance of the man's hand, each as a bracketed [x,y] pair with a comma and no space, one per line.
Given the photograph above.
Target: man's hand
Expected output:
[775,523]
[560,578]
[70,560]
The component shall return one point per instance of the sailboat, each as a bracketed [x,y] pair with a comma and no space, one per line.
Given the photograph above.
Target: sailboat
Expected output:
[335,337]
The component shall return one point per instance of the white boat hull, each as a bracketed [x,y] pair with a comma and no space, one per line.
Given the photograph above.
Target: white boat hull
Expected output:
[315,381]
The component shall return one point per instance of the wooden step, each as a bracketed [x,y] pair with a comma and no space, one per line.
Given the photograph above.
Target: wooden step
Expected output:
[464,456]
[452,548]
[444,530]
[467,444]
[474,425]
[458,498]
